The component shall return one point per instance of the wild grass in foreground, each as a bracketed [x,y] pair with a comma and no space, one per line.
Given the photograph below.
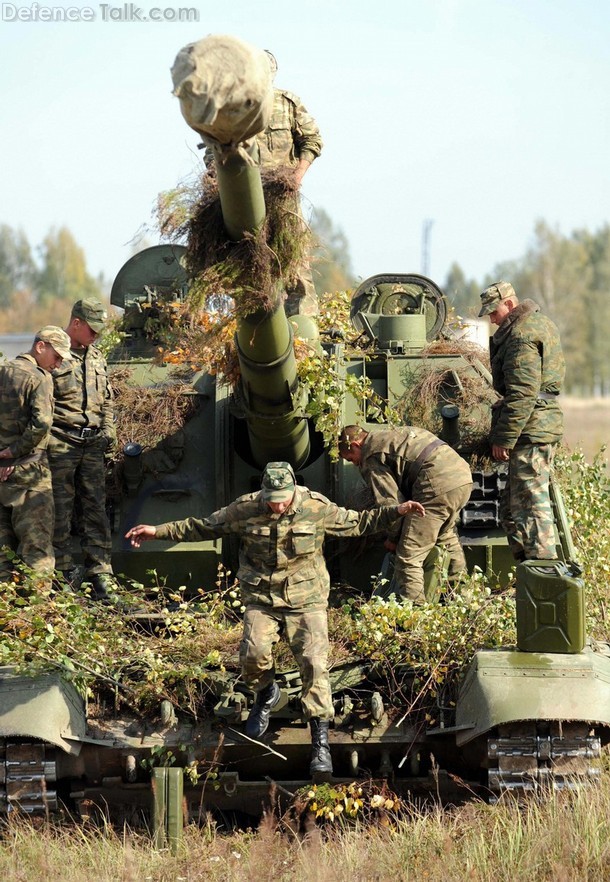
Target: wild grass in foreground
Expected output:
[560,839]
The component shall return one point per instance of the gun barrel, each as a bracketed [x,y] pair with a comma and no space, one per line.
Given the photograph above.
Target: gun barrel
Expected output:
[228,113]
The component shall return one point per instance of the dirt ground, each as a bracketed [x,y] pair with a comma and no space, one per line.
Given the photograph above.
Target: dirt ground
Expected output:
[587,424]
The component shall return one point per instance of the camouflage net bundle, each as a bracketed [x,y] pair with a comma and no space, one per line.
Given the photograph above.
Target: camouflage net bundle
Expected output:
[429,387]
[149,415]
[154,417]
[229,279]
[251,271]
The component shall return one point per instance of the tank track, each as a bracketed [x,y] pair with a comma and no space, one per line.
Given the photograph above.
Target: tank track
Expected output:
[27,777]
[535,757]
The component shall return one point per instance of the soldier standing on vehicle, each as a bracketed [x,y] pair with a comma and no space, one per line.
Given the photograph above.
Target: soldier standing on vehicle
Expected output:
[528,371]
[398,464]
[291,140]
[26,415]
[284,583]
[83,429]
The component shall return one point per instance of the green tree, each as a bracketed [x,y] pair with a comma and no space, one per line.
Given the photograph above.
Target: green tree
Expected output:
[17,268]
[64,269]
[557,273]
[597,249]
[462,293]
[331,261]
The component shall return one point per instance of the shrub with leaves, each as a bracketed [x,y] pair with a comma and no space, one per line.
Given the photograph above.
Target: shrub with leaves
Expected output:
[418,652]
[366,802]
[586,492]
[172,649]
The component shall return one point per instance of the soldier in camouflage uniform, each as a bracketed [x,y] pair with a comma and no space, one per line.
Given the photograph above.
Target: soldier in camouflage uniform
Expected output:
[284,583]
[398,464]
[291,140]
[83,429]
[528,370]
[26,415]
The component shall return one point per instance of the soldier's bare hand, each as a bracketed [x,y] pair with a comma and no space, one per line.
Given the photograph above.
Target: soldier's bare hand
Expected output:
[141,533]
[389,545]
[6,472]
[411,507]
[500,454]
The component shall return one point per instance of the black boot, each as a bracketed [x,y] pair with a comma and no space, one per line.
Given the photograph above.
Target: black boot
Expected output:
[103,588]
[258,719]
[321,760]
[73,577]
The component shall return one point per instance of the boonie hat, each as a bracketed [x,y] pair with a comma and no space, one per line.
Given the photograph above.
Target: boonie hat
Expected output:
[91,311]
[278,482]
[57,338]
[494,294]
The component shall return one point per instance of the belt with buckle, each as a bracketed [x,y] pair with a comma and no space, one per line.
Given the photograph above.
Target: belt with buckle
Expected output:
[82,432]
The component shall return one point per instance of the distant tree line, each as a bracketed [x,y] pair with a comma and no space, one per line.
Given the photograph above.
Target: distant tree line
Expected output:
[39,291]
[569,277]
[37,285]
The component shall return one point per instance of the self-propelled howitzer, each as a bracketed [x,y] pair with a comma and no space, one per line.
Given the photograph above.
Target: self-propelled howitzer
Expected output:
[524,718]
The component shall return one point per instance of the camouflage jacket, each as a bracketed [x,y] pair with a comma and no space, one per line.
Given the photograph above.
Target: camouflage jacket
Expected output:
[292,134]
[83,395]
[26,406]
[387,456]
[527,361]
[281,563]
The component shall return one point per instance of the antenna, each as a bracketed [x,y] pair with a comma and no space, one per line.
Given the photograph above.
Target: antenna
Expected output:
[425,245]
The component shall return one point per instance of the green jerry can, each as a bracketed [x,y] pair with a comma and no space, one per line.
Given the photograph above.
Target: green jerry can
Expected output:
[550,607]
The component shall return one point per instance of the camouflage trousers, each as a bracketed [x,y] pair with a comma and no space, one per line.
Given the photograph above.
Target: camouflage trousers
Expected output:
[420,535]
[26,518]
[301,296]
[307,636]
[79,479]
[525,505]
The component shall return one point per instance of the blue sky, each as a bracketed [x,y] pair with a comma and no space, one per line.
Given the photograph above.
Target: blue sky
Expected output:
[482,115]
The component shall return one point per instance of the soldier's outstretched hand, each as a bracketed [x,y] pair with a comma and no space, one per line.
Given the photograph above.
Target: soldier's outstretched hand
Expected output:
[141,533]
[6,471]
[411,507]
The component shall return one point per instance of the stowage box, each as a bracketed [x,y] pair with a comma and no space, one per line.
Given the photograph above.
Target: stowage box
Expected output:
[550,607]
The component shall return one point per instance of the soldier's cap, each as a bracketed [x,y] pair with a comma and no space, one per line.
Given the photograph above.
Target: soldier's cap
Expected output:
[57,338]
[494,294]
[91,311]
[278,482]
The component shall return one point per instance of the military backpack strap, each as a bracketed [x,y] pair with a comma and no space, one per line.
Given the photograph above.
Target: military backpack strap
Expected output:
[409,479]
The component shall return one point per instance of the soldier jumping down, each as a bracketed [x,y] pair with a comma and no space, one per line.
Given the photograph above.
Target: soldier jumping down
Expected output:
[284,582]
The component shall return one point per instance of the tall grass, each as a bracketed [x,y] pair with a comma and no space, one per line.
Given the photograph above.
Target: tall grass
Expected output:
[563,838]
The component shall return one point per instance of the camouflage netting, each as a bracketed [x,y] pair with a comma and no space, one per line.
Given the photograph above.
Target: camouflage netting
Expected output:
[429,386]
[154,418]
[249,272]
